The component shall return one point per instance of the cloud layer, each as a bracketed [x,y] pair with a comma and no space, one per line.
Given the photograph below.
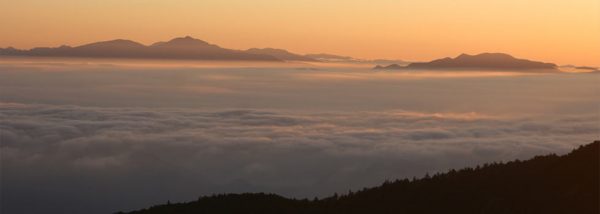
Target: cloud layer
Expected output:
[71,158]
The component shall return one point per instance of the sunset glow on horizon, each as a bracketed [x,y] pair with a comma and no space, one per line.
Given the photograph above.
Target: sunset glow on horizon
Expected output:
[562,32]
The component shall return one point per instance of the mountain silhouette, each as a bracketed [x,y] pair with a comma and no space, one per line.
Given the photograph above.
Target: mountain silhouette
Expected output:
[178,48]
[187,48]
[484,61]
[184,42]
[543,184]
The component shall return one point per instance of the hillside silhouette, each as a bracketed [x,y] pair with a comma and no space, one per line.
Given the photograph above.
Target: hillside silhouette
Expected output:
[543,184]
[486,61]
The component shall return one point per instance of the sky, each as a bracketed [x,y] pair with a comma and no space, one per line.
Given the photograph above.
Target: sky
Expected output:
[563,32]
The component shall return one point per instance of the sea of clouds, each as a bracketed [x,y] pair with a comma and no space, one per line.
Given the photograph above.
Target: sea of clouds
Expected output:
[81,137]
[68,158]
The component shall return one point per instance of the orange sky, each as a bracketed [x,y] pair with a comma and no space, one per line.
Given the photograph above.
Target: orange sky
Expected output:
[565,32]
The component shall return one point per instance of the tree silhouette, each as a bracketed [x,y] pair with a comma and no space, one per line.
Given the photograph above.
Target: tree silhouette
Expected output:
[543,184]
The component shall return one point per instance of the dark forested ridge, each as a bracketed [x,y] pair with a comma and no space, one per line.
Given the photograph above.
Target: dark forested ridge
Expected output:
[544,184]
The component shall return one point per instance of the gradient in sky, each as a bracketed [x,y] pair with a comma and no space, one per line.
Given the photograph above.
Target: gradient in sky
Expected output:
[564,32]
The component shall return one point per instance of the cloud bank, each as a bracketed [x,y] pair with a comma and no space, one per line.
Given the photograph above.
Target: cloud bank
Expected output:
[70,158]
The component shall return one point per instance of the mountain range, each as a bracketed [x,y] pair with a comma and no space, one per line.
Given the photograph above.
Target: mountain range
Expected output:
[544,184]
[189,48]
[487,61]
[181,48]
[178,48]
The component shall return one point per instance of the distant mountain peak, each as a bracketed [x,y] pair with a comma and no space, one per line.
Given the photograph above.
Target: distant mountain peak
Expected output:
[117,44]
[482,61]
[183,41]
[462,55]
[494,61]
[486,55]
[187,39]
[121,42]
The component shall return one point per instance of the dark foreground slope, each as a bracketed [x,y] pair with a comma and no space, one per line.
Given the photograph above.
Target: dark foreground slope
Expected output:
[544,184]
